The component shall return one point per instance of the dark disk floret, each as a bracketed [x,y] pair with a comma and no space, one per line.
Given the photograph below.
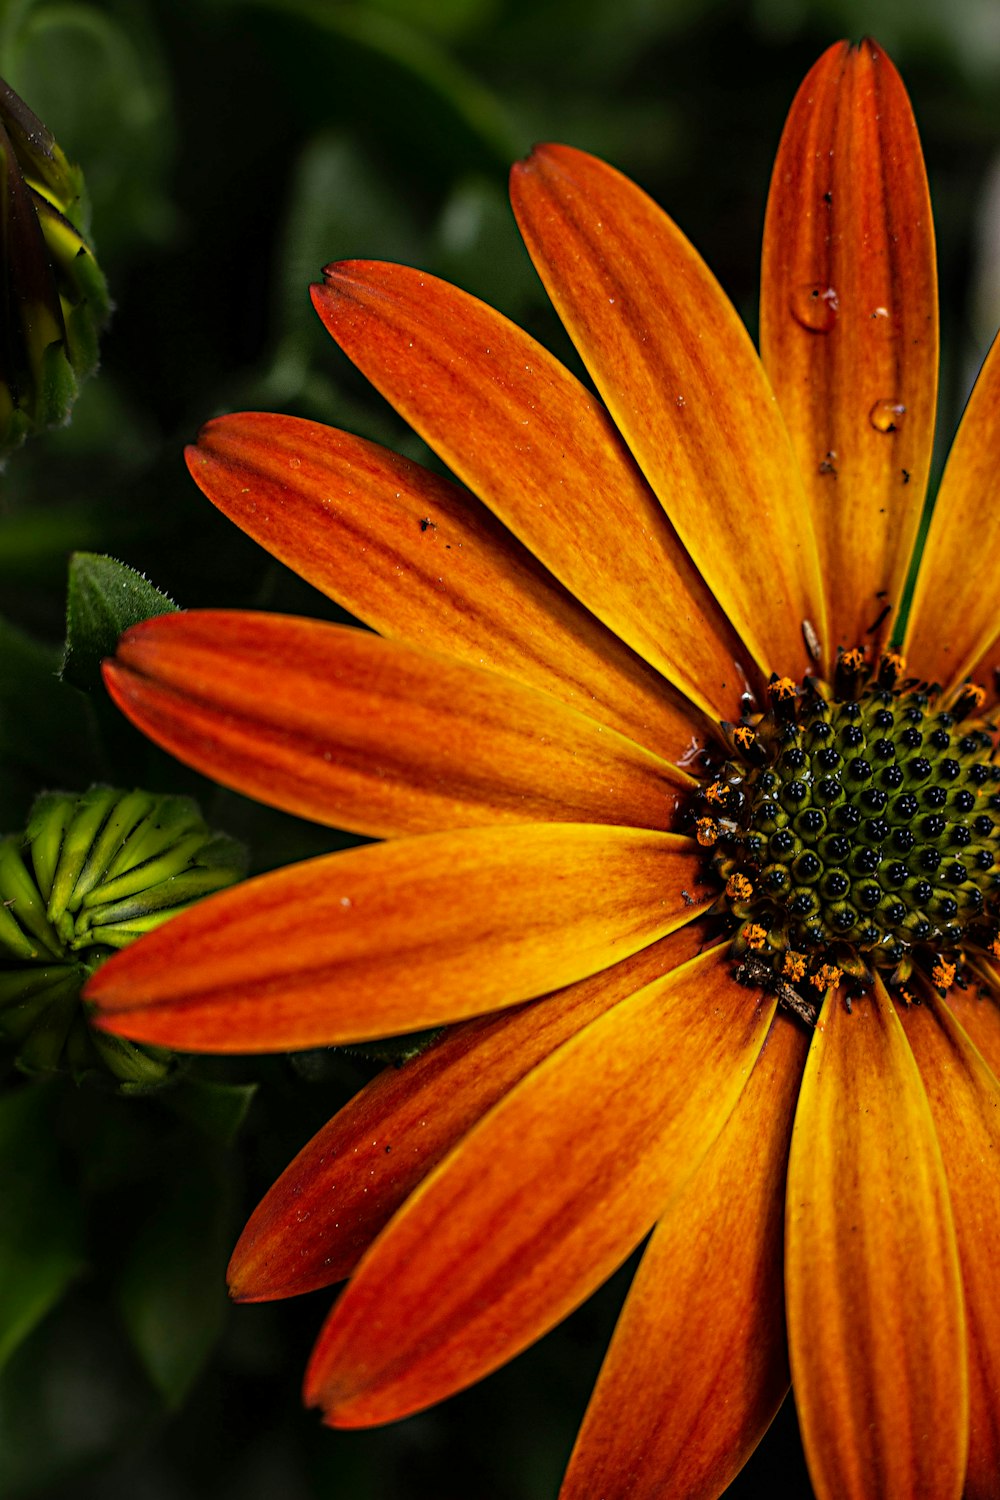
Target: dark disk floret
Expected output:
[856,829]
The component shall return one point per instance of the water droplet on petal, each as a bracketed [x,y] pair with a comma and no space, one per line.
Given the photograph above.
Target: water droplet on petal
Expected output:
[814,307]
[887,416]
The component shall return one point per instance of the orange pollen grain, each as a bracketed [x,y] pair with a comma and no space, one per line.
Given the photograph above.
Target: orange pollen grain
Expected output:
[853,660]
[827,977]
[794,966]
[895,662]
[995,947]
[744,736]
[717,792]
[707,832]
[754,935]
[943,974]
[739,888]
[781,690]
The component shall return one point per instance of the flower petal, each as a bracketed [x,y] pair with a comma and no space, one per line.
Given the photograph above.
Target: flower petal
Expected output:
[874,1297]
[423,562]
[344,1186]
[965,1102]
[341,726]
[523,433]
[543,1199]
[848,326]
[683,382]
[953,621]
[396,937]
[978,1013]
[697,1367]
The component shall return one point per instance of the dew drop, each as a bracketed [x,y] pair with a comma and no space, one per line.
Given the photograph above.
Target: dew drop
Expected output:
[887,416]
[815,307]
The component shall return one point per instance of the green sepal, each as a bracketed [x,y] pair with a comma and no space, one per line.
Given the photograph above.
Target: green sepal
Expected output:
[91,810]
[23,984]
[20,1019]
[104,598]
[92,873]
[24,902]
[137,1069]
[41,1050]
[47,823]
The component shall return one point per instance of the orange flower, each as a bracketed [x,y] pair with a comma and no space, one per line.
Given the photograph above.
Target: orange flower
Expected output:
[567,696]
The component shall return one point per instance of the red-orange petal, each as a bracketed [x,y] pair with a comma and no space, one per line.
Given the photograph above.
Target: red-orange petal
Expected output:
[683,382]
[953,623]
[422,561]
[341,726]
[399,936]
[873,1287]
[543,454]
[848,326]
[543,1199]
[697,1367]
[965,1102]
[344,1186]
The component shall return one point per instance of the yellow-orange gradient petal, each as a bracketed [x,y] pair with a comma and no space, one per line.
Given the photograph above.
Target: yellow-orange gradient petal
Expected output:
[341,726]
[422,561]
[697,1367]
[395,937]
[873,1287]
[978,1012]
[523,433]
[344,1186]
[848,326]
[965,1102]
[953,621]
[683,382]
[543,1199]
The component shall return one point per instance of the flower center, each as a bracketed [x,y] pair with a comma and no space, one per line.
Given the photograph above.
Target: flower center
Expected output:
[857,828]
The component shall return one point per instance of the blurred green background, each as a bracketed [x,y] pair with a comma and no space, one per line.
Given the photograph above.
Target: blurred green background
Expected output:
[232,147]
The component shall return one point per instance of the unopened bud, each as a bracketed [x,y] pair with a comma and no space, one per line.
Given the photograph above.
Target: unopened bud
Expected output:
[90,874]
[53,296]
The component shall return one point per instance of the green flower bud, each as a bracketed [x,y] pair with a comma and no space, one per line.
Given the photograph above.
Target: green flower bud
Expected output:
[90,874]
[53,296]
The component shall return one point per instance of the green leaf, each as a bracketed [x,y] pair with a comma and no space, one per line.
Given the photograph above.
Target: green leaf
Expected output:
[41,1236]
[105,597]
[172,1290]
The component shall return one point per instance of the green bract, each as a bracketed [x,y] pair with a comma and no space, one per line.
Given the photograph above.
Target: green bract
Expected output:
[91,874]
[53,295]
